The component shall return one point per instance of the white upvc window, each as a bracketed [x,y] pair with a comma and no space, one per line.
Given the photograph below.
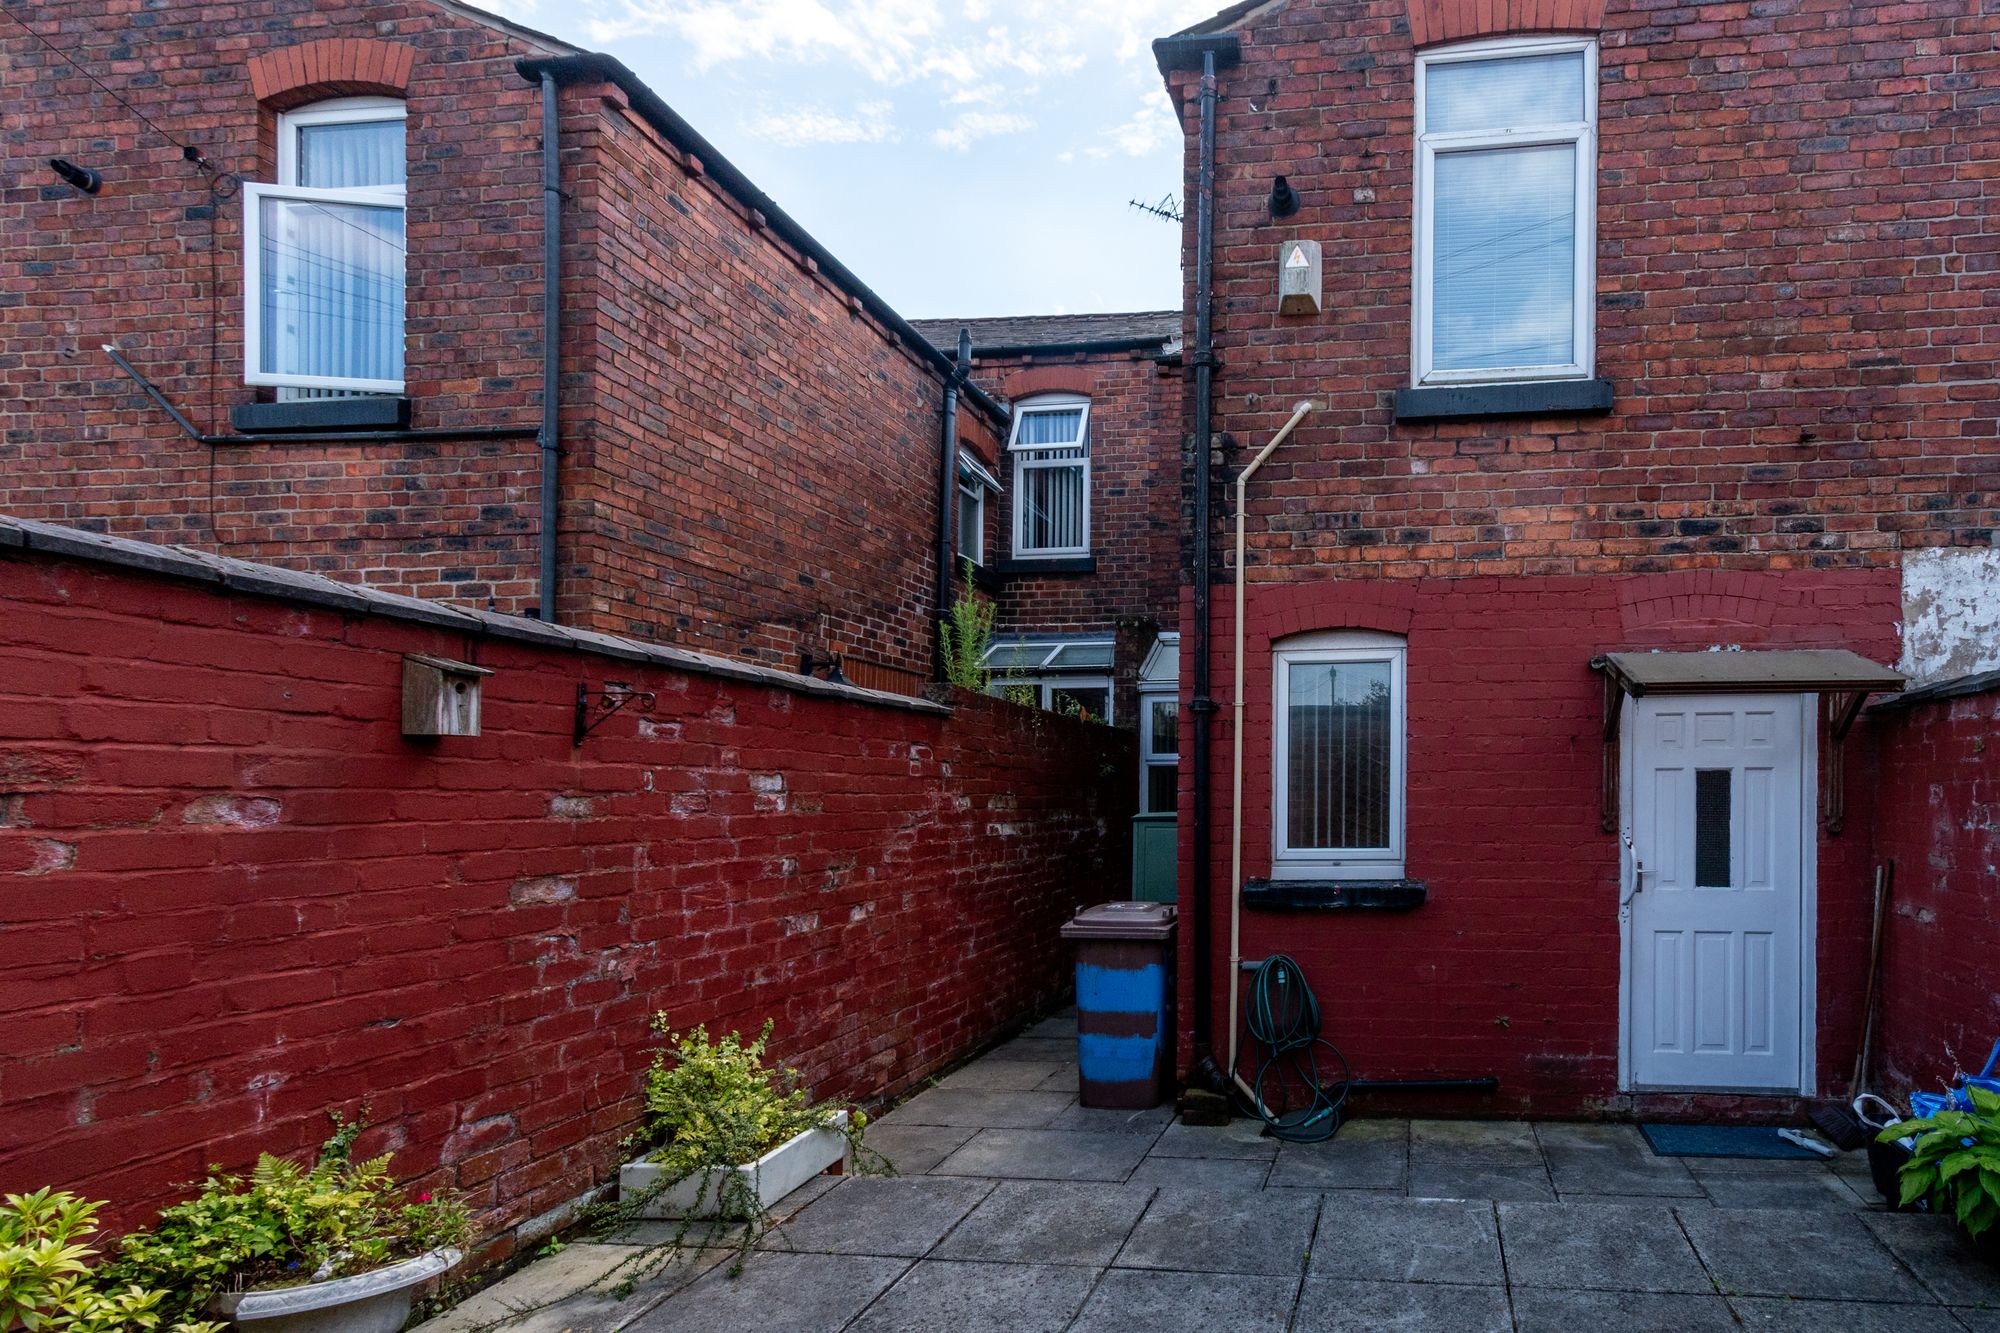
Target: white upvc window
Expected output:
[1050,446]
[1505,249]
[323,252]
[1159,753]
[1337,781]
[1088,697]
[973,483]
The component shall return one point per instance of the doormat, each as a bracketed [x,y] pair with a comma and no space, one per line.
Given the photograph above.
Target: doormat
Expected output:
[1721,1141]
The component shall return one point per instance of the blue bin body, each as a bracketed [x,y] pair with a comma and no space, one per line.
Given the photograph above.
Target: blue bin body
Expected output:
[1124,1004]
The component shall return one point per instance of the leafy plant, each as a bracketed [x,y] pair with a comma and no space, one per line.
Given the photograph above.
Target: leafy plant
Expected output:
[1956,1162]
[967,637]
[47,1282]
[287,1224]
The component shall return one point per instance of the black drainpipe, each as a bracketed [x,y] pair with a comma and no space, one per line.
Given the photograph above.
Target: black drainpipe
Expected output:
[548,437]
[1203,705]
[947,549]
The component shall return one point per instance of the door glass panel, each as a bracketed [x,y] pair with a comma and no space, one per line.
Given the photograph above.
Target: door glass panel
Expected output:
[1163,741]
[1711,828]
[1162,781]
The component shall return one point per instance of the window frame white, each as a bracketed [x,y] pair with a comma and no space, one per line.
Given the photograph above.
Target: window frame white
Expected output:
[1024,462]
[1582,134]
[975,491]
[333,111]
[1337,647]
[1045,687]
[1150,757]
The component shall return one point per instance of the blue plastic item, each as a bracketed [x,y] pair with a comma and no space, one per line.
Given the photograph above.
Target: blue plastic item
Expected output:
[1124,1003]
[1924,1105]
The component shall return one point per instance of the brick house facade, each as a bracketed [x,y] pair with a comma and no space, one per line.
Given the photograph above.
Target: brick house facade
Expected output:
[1123,591]
[1761,380]
[723,378]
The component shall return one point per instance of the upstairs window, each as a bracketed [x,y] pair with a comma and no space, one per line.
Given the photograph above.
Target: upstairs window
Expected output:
[324,252]
[973,483]
[1505,239]
[1051,451]
[1337,788]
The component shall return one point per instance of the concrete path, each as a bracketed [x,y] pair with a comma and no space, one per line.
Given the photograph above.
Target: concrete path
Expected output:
[1017,1211]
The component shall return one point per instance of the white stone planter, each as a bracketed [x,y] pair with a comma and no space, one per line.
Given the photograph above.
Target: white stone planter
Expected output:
[771,1177]
[373,1302]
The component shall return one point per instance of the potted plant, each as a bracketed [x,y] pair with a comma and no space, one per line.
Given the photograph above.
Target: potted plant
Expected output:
[330,1248]
[1954,1162]
[724,1136]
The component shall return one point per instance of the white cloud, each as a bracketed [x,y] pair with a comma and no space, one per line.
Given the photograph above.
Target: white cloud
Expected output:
[1151,128]
[800,127]
[971,126]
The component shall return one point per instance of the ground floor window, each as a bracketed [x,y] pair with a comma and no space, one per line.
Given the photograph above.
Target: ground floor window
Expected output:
[1159,754]
[1088,697]
[1337,783]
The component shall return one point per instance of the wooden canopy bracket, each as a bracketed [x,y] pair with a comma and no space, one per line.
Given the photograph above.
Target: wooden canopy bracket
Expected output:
[1614,709]
[1841,710]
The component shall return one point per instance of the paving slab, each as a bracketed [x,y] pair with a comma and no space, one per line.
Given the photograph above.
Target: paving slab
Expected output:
[915,1149]
[1610,1159]
[1936,1250]
[1034,1048]
[1779,1316]
[1239,1139]
[1400,1307]
[1807,1253]
[1390,1239]
[980,1109]
[1199,1232]
[1002,1076]
[976,1298]
[1047,1222]
[1814,1187]
[1204,1173]
[1365,1155]
[1474,1159]
[1539,1310]
[1046,1154]
[1613,1248]
[1056,1027]
[1101,1120]
[1064,1079]
[1979,1321]
[900,1217]
[562,1293]
[1132,1300]
[802,1293]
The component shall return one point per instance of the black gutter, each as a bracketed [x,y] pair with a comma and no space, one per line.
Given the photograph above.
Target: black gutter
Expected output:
[947,549]
[597,67]
[437,435]
[1083,348]
[1191,51]
[1202,704]
[547,436]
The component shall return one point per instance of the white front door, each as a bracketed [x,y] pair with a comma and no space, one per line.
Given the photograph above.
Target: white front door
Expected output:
[1716,862]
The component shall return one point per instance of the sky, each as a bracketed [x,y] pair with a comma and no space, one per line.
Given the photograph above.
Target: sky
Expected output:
[963,157]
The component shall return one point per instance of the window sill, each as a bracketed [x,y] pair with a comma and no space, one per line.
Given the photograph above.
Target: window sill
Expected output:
[1047,564]
[1335,895]
[372,412]
[1532,398]
[983,577]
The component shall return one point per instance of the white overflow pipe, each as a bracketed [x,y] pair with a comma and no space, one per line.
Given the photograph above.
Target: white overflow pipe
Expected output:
[1236,740]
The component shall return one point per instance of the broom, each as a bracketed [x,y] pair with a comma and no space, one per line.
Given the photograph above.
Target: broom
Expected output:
[1839,1124]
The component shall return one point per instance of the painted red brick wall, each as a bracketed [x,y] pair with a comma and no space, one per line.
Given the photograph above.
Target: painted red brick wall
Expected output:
[720,395]
[237,897]
[1939,818]
[1511,967]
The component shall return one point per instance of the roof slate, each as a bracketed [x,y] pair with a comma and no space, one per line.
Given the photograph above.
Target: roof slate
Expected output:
[1052,330]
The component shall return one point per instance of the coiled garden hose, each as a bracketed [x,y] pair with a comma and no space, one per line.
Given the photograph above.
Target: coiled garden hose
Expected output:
[1283,1017]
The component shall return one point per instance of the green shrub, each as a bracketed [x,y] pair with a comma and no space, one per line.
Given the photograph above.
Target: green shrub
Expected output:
[967,637]
[47,1282]
[1956,1162]
[287,1224]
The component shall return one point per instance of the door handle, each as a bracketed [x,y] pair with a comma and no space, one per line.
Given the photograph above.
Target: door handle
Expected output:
[1638,882]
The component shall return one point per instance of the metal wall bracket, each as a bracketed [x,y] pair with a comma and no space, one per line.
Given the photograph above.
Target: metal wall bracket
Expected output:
[594,706]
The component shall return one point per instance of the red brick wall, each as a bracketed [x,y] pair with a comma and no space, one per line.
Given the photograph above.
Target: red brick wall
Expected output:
[1511,967]
[1939,818]
[237,897]
[721,397]
[153,264]
[1797,258]
[1135,506]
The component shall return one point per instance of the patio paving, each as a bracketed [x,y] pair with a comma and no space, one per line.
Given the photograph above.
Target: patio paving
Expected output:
[1018,1210]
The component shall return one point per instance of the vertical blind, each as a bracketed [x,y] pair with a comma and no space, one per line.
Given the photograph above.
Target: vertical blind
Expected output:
[1337,762]
[333,271]
[1050,448]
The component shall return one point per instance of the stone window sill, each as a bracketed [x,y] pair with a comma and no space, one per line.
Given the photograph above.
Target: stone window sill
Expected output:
[362,412]
[1335,895]
[1535,398]
[1035,568]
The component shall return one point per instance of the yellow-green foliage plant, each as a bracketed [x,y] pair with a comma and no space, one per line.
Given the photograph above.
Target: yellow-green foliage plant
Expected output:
[48,1283]
[967,637]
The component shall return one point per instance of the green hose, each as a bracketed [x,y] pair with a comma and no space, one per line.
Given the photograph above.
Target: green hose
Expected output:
[1283,1017]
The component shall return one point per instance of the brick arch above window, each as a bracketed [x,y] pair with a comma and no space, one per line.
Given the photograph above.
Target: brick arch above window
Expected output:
[1434,21]
[1385,606]
[1032,380]
[331,67]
